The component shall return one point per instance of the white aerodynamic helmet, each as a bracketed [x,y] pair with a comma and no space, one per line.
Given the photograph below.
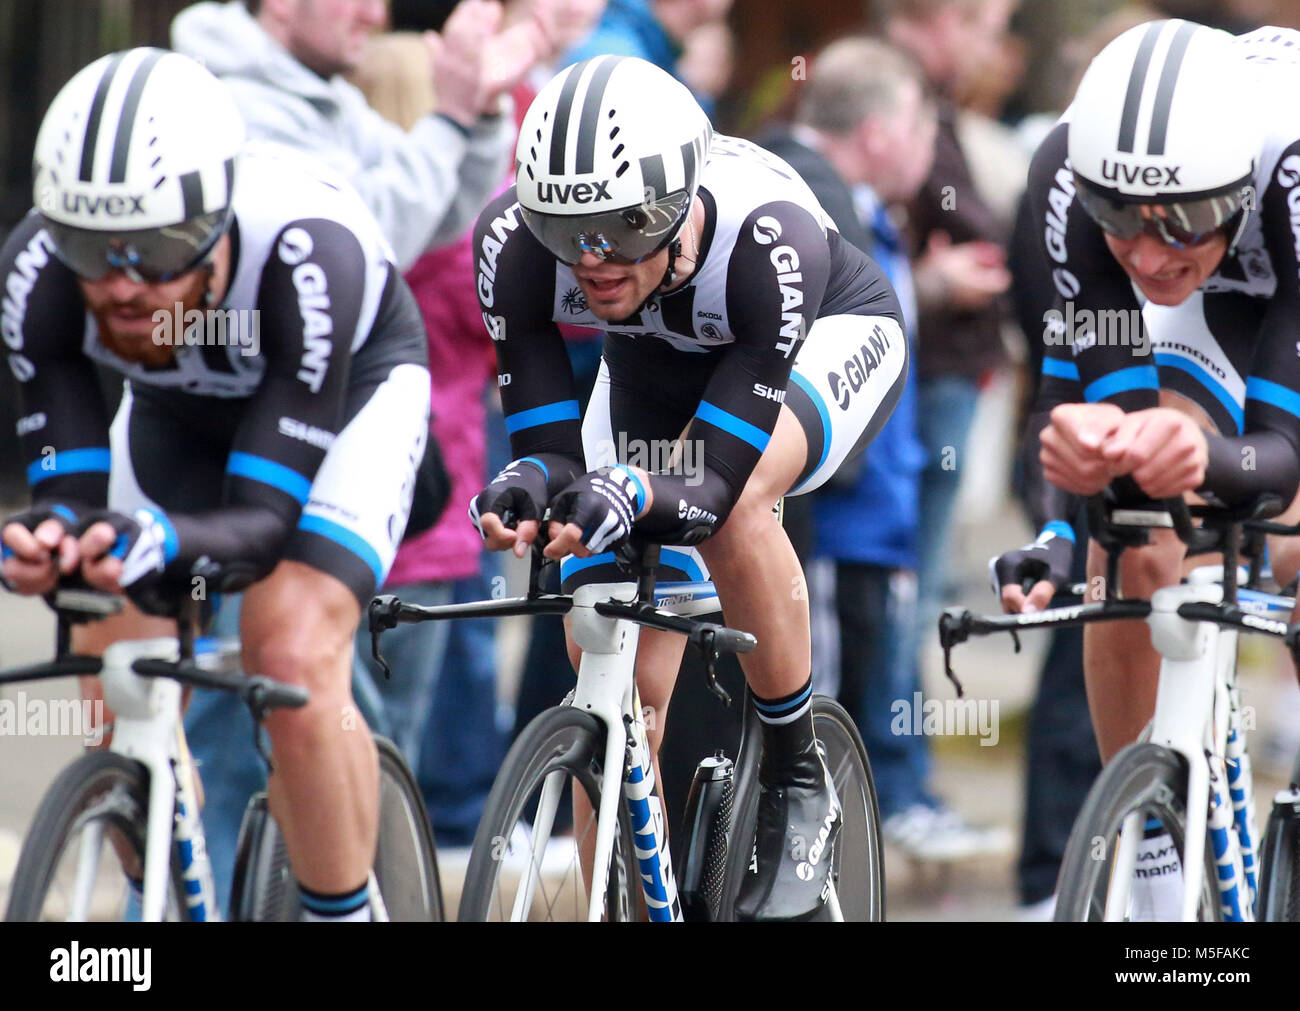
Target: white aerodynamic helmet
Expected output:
[135,164]
[609,159]
[1164,136]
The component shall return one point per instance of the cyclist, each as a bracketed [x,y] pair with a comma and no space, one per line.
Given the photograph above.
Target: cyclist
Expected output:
[276,451]
[734,313]
[1168,205]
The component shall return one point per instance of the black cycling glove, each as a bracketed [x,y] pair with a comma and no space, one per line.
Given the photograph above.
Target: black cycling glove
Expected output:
[603,503]
[517,493]
[146,542]
[1049,558]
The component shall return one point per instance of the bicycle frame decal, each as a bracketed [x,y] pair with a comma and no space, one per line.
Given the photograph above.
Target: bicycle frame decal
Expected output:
[647,813]
[1241,789]
[1220,821]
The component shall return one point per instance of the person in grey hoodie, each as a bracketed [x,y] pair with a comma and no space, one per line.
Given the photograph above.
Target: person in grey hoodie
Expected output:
[283,60]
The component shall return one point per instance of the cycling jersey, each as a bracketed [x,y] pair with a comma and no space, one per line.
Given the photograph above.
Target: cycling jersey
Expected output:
[238,438]
[774,285]
[1232,348]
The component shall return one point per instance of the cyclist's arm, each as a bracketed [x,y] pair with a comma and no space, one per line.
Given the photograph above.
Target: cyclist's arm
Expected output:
[774,291]
[1266,457]
[310,311]
[515,280]
[1087,281]
[63,423]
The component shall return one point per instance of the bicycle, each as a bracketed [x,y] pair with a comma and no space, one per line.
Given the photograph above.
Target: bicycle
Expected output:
[139,797]
[1188,773]
[600,726]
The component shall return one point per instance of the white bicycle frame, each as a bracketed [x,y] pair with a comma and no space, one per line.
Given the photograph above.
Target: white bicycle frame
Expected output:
[607,690]
[1197,716]
[148,728]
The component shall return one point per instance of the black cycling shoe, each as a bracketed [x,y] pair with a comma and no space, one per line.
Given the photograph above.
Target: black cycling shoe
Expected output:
[798,820]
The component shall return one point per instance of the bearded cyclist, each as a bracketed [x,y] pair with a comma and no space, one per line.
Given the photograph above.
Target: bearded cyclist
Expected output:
[275,452]
[735,318]
[1168,197]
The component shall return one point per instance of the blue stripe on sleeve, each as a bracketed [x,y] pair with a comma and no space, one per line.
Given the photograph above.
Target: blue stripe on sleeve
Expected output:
[69,461]
[277,475]
[1060,528]
[729,423]
[1059,369]
[1138,377]
[536,463]
[1269,392]
[563,410]
[352,541]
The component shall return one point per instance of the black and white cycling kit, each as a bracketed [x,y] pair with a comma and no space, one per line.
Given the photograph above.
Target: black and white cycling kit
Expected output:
[779,309]
[294,432]
[1232,349]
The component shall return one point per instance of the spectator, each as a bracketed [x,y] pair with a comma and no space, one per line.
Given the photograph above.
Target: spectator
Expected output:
[863,139]
[283,60]
[654,30]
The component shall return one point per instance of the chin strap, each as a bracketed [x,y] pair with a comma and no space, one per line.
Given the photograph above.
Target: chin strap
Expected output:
[670,275]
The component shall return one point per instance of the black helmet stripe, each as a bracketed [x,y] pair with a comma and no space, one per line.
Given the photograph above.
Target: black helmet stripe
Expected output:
[1165,90]
[192,194]
[126,122]
[586,153]
[652,175]
[1136,81]
[560,128]
[93,120]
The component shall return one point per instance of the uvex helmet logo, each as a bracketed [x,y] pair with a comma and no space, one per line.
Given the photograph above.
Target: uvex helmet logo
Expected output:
[766,230]
[113,207]
[1288,173]
[1147,175]
[578,193]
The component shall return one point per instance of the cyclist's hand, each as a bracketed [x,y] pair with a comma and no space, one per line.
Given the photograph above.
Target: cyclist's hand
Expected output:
[595,512]
[1046,562]
[1163,450]
[507,512]
[38,547]
[1071,446]
[126,554]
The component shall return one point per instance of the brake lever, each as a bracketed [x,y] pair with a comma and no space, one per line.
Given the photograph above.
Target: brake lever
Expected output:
[704,643]
[383,616]
[954,629]
[258,711]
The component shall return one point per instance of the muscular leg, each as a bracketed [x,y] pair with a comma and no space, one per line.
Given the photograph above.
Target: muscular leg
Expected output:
[759,579]
[1121,667]
[298,626]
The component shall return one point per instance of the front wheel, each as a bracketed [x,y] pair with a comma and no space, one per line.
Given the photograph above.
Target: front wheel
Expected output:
[523,866]
[90,826]
[1145,778]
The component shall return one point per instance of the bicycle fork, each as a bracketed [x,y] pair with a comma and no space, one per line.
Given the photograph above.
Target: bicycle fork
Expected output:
[607,690]
[148,729]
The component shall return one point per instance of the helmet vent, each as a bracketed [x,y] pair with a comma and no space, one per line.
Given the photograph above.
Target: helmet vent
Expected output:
[621,169]
[154,163]
[539,134]
[161,180]
[529,170]
[617,151]
[532,153]
[613,133]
